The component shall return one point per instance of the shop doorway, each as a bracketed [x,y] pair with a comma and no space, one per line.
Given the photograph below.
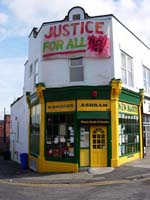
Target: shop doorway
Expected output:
[98,146]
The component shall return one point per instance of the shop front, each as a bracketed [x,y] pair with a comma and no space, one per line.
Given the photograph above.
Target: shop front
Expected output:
[72,129]
[146,126]
[93,143]
[76,132]
[94,123]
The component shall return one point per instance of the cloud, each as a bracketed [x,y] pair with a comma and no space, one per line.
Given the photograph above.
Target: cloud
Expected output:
[3,22]
[3,18]
[31,13]
[12,72]
[136,16]
[3,33]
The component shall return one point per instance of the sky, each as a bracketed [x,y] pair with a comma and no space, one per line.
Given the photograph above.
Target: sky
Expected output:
[17,18]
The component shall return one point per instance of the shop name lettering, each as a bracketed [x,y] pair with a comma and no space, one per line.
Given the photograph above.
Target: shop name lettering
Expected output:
[128,108]
[74,32]
[61,106]
[93,105]
[94,122]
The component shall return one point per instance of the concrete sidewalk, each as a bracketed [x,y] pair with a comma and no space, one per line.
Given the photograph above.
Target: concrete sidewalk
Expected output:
[142,163]
[12,172]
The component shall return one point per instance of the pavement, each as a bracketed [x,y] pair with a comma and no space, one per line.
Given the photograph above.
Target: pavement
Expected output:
[11,172]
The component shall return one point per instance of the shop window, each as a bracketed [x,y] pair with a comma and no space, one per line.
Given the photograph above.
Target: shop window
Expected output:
[84,136]
[76,69]
[127,69]
[146,79]
[35,130]
[146,130]
[60,135]
[129,138]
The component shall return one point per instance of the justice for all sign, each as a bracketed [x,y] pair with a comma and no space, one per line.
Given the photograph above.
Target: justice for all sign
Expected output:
[89,38]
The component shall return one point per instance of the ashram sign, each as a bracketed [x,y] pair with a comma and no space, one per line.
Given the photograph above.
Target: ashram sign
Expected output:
[93,105]
[89,38]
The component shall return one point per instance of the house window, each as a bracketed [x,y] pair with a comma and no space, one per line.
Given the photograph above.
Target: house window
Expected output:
[30,70]
[127,69]
[76,17]
[36,66]
[146,79]
[76,69]
[17,136]
[129,134]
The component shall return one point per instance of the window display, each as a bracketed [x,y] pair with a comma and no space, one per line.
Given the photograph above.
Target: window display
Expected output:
[128,134]
[60,135]
[84,137]
[35,129]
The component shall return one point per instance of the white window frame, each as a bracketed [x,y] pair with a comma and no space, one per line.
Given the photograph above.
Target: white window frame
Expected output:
[76,65]
[146,79]
[127,73]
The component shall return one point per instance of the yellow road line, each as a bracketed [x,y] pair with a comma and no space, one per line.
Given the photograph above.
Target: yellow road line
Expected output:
[72,185]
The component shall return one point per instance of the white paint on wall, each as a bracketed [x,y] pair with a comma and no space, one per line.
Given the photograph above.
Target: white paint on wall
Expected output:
[19,129]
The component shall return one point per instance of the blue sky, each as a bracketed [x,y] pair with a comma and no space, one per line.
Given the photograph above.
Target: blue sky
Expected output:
[17,18]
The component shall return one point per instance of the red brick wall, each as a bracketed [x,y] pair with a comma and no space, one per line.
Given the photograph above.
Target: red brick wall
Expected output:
[7,125]
[1,129]
[4,133]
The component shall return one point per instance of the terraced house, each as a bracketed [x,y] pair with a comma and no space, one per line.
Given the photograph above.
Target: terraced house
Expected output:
[86,91]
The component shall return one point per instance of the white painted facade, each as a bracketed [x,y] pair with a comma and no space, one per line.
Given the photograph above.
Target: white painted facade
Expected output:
[55,72]
[19,129]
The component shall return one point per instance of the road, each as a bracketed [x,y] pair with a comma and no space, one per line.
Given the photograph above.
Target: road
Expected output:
[125,182]
[133,189]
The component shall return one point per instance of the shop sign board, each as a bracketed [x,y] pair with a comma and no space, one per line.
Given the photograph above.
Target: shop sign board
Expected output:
[94,121]
[93,105]
[60,106]
[88,38]
[128,108]
[146,107]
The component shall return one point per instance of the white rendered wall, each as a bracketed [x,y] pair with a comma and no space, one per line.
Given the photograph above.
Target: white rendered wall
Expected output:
[97,71]
[124,40]
[55,72]
[19,113]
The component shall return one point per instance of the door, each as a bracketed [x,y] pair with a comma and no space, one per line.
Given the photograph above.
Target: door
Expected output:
[98,146]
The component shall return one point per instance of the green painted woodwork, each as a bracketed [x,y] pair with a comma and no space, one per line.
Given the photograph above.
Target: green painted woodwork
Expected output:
[129,96]
[69,160]
[83,92]
[76,92]
[94,115]
[109,139]
[34,144]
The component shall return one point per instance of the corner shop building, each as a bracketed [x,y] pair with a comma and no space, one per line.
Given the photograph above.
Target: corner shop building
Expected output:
[84,126]
[84,98]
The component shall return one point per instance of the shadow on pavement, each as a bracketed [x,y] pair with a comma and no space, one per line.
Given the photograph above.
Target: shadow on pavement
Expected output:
[12,170]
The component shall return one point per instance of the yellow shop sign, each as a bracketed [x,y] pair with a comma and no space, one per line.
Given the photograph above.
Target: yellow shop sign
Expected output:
[93,105]
[60,106]
[128,108]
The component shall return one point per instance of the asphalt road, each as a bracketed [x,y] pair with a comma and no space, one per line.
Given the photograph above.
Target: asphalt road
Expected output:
[123,183]
[105,190]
